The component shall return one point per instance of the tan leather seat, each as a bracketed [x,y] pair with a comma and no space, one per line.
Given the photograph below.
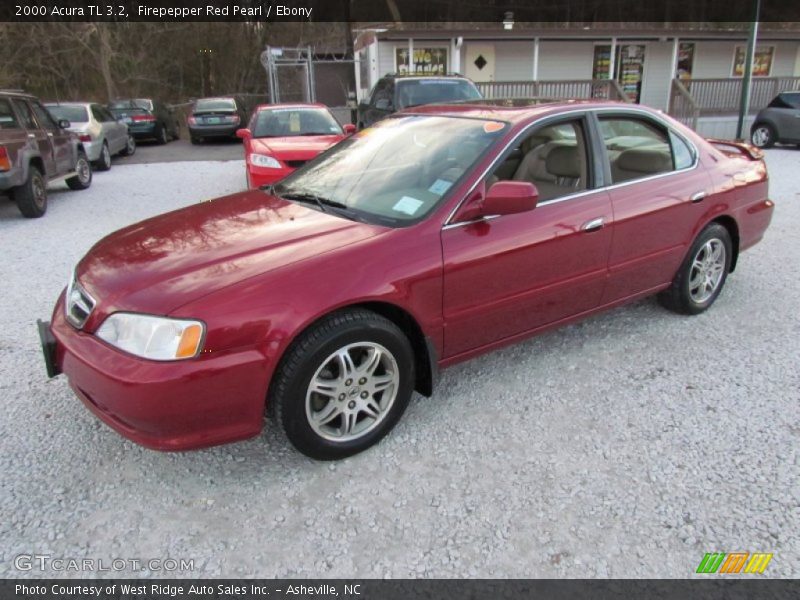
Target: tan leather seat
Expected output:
[635,163]
[564,173]
[533,165]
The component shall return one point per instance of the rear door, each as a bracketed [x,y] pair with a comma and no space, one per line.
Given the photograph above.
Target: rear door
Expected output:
[515,273]
[114,132]
[13,133]
[658,193]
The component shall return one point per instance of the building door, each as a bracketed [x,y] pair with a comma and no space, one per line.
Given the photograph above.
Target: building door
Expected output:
[630,69]
[479,63]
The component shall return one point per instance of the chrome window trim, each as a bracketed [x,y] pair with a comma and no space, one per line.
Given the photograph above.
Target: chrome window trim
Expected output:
[543,121]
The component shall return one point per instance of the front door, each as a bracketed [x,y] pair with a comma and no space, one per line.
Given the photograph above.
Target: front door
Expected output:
[61,139]
[630,69]
[515,273]
[479,63]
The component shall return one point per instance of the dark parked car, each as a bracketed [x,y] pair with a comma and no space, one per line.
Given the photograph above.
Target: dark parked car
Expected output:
[439,234]
[147,119]
[778,122]
[396,92]
[36,150]
[216,117]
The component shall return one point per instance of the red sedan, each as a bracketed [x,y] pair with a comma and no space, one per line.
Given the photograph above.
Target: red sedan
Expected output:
[283,137]
[439,234]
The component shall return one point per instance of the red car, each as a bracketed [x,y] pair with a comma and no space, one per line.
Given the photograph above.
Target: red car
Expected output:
[283,137]
[438,234]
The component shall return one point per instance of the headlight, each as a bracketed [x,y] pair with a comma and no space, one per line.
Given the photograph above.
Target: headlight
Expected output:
[262,160]
[156,338]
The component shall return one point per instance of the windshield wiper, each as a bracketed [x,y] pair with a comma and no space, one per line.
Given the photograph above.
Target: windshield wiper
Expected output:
[316,133]
[324,204]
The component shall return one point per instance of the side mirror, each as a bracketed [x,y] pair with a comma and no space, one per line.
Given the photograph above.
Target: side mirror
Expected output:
[510,197]
[244,134]
[349,129]
[382,104]
[63,123]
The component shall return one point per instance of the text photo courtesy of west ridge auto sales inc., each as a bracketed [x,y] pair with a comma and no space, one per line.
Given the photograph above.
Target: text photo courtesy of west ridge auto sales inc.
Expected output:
[399,299]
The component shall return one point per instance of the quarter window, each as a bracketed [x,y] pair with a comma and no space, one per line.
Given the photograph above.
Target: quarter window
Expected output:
[8,119]
[682,154]
[636,148]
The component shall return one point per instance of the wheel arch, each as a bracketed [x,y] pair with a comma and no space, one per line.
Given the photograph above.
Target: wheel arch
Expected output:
[730,224]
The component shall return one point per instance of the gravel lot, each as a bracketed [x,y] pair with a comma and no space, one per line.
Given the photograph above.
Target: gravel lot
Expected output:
[625,446]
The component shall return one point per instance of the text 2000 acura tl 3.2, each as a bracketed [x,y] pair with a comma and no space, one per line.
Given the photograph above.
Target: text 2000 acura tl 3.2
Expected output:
[438,234]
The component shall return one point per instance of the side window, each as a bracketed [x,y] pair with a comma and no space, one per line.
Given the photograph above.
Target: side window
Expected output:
[682,154]
[24,111]
[636,148]
[8,120]
[43,117]
[553,158]
[107,116]
[382,98]
[97,113]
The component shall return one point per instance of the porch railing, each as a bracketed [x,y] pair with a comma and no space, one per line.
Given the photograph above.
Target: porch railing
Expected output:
[721,97]
[605,89]
[682,106]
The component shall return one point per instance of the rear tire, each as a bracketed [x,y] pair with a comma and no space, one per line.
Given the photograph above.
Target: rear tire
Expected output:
[161,135]
[702,275]
[104,162]
[83,179]
[331,406]
[130,146]
[763,135]
[31,196]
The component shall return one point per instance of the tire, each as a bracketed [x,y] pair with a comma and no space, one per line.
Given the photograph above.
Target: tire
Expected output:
[83,179]
[763,135]
[702,275]
[161,135]
[31,196]
[130,147]
[104,162]
[196,140]
[380,355]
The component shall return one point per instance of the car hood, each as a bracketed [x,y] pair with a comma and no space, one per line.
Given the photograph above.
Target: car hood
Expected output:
[162,263]
[294,147]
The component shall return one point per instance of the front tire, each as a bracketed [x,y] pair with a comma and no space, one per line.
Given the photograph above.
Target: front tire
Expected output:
[343,384]
[83,168]
[104,162]
[763,135]
[702,275]
[31,196]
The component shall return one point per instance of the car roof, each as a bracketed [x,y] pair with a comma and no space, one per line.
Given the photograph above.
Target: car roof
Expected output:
[84,104]
[17,93]
[290,105]
[405,76]
[515,110]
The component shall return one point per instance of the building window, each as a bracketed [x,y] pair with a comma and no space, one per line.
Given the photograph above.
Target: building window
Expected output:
[762,61]
[685,61]
[428,61]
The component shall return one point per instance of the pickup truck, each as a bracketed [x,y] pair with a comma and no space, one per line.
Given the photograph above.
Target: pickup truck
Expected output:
[36,151]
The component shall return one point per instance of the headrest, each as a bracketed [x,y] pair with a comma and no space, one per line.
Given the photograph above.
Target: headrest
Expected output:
[563,161]
[645,160]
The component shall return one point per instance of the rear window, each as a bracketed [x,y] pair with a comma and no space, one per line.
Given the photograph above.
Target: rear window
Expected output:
[786,101]
[212,104]
[120,113]
[134,103]
[8,119]
[414,92]
[73,114]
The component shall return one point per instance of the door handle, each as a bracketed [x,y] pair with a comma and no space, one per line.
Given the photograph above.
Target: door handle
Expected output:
[49,134]
[593,225]
[31,136]
[698,196]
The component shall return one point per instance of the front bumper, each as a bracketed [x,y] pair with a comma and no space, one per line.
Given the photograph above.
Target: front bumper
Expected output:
[182,405]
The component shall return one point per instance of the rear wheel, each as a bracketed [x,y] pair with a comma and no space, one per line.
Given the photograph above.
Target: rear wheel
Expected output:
[104,162]
[702,274]
[83,170]
[343,384]
[130,146]
[161,135]
[763,135]
[31,196]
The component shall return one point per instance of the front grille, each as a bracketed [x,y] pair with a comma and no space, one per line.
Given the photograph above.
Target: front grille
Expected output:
[78,304]
[296,163]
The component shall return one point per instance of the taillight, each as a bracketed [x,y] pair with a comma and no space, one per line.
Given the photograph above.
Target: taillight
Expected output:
[5,162]
[192,120]
[234,119]
[85,138]
[143,118]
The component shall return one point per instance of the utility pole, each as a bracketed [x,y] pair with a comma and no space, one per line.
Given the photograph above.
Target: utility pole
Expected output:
[747,76]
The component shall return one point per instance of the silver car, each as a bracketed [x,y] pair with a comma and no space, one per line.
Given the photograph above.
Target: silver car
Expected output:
[103,136]
[778,122]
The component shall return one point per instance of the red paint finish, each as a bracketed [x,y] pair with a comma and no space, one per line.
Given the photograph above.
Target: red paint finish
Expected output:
[258,270]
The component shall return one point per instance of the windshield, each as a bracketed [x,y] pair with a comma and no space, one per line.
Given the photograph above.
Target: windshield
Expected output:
[413,92]
[398,171]
[214,104]
[288,122]
[73,114]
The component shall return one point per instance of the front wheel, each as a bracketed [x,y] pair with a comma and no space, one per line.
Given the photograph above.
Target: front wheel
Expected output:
[83,170]
[763,135]
[343,384]
[702,275]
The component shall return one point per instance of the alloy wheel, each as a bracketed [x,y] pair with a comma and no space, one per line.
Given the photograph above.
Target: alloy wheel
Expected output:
[708,267]
[761,136]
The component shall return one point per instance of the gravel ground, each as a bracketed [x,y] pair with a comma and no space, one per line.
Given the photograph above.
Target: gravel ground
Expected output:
[625,446]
